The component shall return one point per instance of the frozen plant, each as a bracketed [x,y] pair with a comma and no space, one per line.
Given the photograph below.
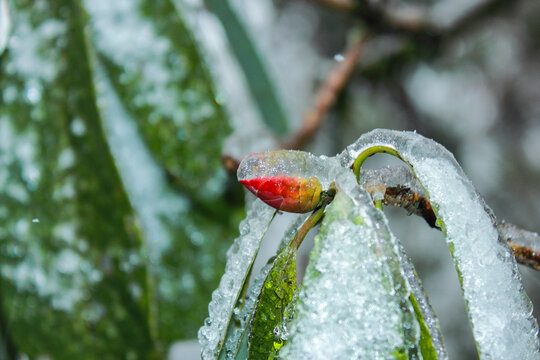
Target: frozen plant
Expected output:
[361,298]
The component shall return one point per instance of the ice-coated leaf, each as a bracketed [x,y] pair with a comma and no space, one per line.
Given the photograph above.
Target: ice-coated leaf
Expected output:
[236,345]
[431,341]
[499,310]
[240,259]
[277,292]
[354,300]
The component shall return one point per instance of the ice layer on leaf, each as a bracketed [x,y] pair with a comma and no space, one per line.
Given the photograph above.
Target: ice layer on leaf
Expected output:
[499,310]
[236,338]
[354,301]
[431,341]
[240,258]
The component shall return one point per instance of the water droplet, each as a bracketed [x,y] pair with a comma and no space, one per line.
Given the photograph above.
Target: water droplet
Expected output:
[35,220]
[33,92]
[66,158]
[221,99]
[339,57]
[78,127]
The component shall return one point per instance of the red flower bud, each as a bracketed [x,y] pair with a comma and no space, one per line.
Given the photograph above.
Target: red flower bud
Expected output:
[278,178]
[287,193]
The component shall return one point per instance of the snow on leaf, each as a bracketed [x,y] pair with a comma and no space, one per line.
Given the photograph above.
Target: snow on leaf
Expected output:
[354,301]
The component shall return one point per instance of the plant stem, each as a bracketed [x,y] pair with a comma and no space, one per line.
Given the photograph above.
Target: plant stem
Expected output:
[327,94]
[313,219]
[372,151]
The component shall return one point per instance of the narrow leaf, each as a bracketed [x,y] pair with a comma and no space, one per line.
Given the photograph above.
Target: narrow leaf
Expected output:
[157,104]
[354,301]
[277,292]
[259,81]
[236,345]
[239,262]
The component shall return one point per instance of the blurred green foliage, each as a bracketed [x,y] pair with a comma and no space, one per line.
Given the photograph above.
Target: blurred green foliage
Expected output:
[78,279]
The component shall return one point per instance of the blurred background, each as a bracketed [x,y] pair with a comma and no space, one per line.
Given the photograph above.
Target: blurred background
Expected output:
[121,122]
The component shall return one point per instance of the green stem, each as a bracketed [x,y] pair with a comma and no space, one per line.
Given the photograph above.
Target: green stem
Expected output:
[313,219]
[372,151]
[378,204]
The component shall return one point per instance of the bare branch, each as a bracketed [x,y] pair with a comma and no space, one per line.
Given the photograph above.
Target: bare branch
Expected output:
[327,94]
[230,164]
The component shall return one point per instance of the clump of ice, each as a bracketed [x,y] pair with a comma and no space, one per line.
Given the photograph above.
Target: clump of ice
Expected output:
[378,180]
[499,310]
[354,302]
[240,258]
[297,164]
[519,236]
[389,176]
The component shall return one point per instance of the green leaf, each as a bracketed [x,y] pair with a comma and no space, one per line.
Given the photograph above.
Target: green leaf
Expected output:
[236,344]
[277,292]
[149,73]
[426,342]
[353,289]
[252,64]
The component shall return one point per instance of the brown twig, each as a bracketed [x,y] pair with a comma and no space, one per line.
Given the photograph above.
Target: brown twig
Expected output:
[327,95]
[522,242]
[230,164]
[526,255]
